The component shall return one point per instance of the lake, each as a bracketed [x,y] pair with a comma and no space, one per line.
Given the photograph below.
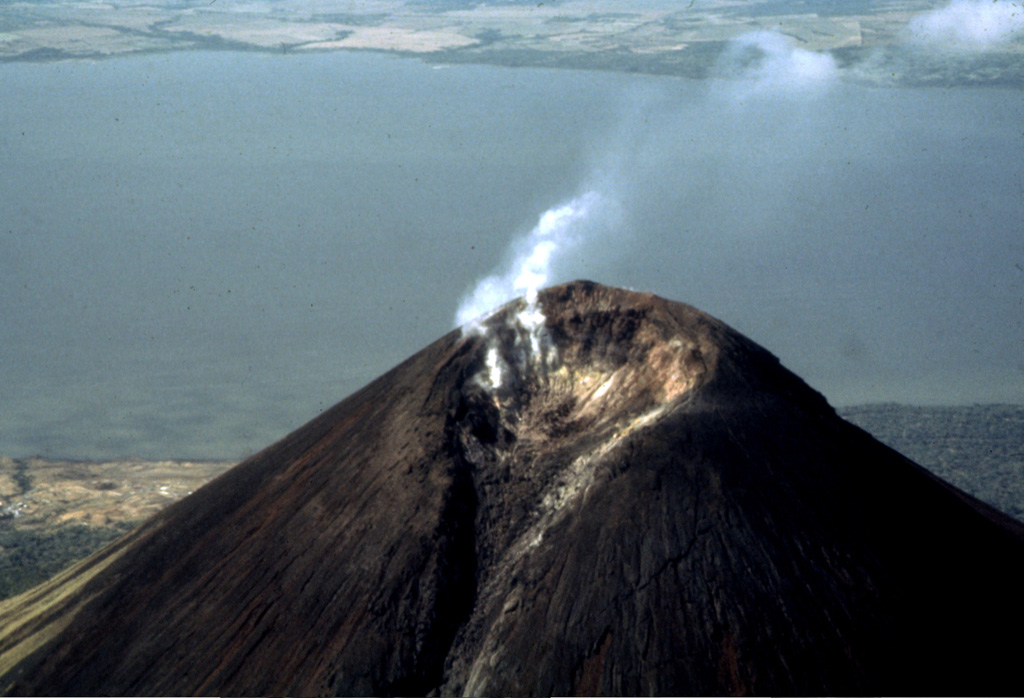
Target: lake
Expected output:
[203,250]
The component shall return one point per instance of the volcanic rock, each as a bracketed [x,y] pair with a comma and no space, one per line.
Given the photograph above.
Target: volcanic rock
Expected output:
[631,498]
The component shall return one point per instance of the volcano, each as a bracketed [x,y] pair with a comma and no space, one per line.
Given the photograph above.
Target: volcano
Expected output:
[624,497]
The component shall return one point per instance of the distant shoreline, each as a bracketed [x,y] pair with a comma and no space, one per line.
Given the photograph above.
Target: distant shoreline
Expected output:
[865,411]
[55,511]
[1001,71]
[661,39]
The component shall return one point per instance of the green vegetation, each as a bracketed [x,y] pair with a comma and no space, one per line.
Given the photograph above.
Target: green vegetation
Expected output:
[28,557]
[693,62]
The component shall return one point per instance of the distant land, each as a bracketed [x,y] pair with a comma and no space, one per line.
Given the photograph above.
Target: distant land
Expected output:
[653,36]
[978,448]
[54,512]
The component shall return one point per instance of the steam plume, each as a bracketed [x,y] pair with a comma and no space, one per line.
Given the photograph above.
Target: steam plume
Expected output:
[558,230]
[769,64]
[762,63]
[969,24]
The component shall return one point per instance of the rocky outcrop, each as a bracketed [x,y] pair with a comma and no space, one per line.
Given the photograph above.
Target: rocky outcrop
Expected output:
[629,497]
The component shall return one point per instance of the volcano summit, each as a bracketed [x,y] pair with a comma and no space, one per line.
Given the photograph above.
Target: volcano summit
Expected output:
[596,491]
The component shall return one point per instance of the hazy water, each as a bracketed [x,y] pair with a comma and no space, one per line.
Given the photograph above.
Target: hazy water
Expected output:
[200,251]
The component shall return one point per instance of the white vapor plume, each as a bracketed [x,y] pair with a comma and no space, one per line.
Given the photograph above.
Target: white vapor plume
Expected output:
[763,66]
[768,64]
[969,24]
[558,230]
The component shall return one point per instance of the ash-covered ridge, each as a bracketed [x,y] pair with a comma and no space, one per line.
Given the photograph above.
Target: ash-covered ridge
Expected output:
[589,491]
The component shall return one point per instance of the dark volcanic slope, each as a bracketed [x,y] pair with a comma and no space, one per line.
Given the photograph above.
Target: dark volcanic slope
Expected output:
[651,504]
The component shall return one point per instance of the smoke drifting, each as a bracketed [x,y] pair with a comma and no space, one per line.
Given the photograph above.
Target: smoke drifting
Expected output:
[757,66]
[968,24]
[746,155]
[760,64]
[768,64]
[558,230]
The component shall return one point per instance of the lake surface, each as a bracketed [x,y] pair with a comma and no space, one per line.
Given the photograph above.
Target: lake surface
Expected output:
[201,251]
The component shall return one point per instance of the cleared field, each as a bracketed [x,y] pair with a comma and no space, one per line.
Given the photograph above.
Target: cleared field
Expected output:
[659,36]
[53,513]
